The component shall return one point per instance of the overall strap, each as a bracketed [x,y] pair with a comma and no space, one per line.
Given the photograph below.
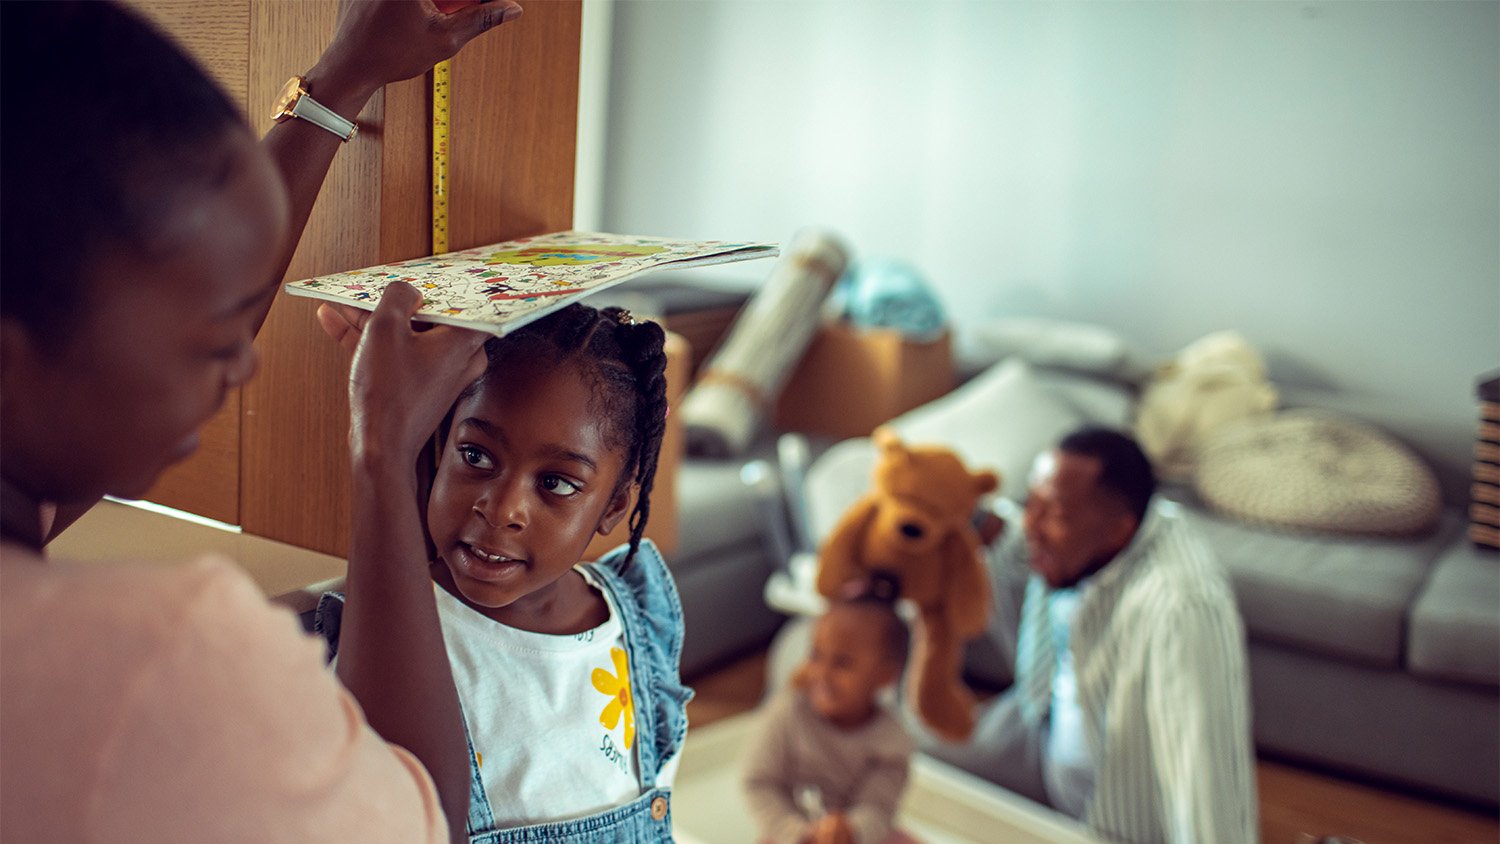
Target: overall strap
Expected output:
[650,615]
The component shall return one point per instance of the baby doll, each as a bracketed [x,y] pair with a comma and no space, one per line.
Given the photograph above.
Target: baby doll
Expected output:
[830,763]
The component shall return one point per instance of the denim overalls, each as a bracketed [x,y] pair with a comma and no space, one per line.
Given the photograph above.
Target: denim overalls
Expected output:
[651,618]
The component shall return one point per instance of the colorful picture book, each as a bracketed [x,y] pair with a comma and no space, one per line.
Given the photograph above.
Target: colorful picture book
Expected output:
[501,287]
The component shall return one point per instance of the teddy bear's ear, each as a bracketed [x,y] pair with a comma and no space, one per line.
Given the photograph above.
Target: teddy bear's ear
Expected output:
[985,482]
[887,441]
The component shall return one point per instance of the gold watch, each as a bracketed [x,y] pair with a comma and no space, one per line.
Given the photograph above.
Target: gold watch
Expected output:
[294,101]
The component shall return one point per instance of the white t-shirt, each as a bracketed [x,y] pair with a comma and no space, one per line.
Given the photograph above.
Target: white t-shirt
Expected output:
[554,738]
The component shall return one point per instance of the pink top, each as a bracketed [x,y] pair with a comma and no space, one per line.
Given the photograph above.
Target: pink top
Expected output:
[148,704]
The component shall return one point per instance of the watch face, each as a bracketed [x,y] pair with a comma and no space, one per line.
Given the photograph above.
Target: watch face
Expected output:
[287,98]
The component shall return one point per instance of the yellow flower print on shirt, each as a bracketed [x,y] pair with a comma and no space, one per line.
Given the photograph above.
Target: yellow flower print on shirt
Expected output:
[617,686]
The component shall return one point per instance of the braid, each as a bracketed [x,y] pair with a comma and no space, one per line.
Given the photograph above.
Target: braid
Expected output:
[642,344]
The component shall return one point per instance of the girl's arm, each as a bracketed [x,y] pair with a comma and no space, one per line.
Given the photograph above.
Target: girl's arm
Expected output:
[375,42]
[391,653]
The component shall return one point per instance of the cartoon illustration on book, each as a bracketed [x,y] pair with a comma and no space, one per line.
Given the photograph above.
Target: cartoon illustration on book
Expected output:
[500,287]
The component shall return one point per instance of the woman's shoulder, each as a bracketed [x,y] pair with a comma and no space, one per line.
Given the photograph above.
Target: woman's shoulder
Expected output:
[187,666]
[172,641]
[123,593]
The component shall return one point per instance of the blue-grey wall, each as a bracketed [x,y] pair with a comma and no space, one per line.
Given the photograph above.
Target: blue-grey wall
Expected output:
[1323,177]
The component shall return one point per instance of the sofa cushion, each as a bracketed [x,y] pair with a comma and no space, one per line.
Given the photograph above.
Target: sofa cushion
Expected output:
[1000,420]
[835,481]
[1455,622]
[1081,347]
[1341,596]
[715,508]
[1317,470]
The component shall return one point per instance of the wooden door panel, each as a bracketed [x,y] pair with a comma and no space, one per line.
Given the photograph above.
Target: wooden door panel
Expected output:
[515,128]
[216,34]
[514,125]
[293,462]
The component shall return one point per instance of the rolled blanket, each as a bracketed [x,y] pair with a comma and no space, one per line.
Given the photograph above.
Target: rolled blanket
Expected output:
[737,390]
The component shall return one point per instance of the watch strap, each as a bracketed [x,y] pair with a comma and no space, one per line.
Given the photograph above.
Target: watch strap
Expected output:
[318,114]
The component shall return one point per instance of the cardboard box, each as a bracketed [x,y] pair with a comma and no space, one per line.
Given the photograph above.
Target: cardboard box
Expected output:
[851,380]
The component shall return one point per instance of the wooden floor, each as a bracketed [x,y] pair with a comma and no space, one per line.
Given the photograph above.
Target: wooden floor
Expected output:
[1296,806]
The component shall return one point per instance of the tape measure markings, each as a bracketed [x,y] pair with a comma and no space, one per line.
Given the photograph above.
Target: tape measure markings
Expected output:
[441,87]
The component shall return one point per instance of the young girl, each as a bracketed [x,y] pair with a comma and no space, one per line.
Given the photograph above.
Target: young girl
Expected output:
[567,673]
[829,764]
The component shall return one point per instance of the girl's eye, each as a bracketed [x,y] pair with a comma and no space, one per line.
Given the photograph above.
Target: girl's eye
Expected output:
[558,485]
[475,457]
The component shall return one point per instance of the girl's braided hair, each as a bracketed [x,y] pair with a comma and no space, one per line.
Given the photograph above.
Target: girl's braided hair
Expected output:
[625,360]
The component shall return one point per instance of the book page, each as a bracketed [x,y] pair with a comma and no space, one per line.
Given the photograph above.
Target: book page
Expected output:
[500,287]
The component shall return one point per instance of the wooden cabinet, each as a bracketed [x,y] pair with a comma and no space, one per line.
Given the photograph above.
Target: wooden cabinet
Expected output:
[275,459]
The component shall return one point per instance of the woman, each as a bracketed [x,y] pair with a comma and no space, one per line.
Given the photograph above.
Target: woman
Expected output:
[145,234]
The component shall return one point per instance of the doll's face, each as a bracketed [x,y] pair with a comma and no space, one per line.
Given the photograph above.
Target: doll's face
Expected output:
[848,665]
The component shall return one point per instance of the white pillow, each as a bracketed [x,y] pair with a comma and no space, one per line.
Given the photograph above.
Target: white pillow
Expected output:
[1105,403]
[1001,420]
[1051,342]
[835,481]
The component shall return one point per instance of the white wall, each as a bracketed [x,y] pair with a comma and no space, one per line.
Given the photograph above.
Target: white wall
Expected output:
[1324,177]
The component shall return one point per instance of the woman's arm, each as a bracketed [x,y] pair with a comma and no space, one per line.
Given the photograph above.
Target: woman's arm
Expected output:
[391,653]
[375,42]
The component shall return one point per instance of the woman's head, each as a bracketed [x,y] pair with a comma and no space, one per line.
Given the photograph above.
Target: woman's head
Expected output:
[142,225]
[543,451]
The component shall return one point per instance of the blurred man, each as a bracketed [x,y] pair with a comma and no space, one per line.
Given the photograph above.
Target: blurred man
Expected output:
[1130,708]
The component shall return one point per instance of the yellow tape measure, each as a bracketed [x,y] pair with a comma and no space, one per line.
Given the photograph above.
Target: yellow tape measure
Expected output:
[441,86]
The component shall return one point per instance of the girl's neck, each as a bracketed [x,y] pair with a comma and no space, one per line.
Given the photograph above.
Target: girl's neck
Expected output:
[567,606]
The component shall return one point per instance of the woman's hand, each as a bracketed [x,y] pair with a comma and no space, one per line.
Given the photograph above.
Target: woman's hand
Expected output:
[391,654]
[402,381]
[381,41]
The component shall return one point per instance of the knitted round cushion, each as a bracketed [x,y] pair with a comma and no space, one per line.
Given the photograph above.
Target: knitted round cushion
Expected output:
[1315,470]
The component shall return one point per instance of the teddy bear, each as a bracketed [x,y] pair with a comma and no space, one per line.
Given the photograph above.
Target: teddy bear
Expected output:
[914,526]
[1214,380]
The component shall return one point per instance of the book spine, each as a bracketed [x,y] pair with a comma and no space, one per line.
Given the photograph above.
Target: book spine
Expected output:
[1485,536]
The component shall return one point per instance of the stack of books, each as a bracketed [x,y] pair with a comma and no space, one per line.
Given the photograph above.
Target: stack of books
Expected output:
[1484,495]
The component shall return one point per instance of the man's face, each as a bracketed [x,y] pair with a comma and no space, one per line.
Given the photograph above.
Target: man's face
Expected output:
[163,332]
[1073,527]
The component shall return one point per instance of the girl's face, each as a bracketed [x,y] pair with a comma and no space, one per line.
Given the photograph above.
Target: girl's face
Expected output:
[163,332]
[847,666]
[527,477]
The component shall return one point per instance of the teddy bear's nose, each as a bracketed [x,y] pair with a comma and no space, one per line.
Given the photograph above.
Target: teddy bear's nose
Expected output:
[912,530]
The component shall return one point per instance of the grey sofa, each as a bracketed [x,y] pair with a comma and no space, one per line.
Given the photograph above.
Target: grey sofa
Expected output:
[1377,658]
[722,561]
